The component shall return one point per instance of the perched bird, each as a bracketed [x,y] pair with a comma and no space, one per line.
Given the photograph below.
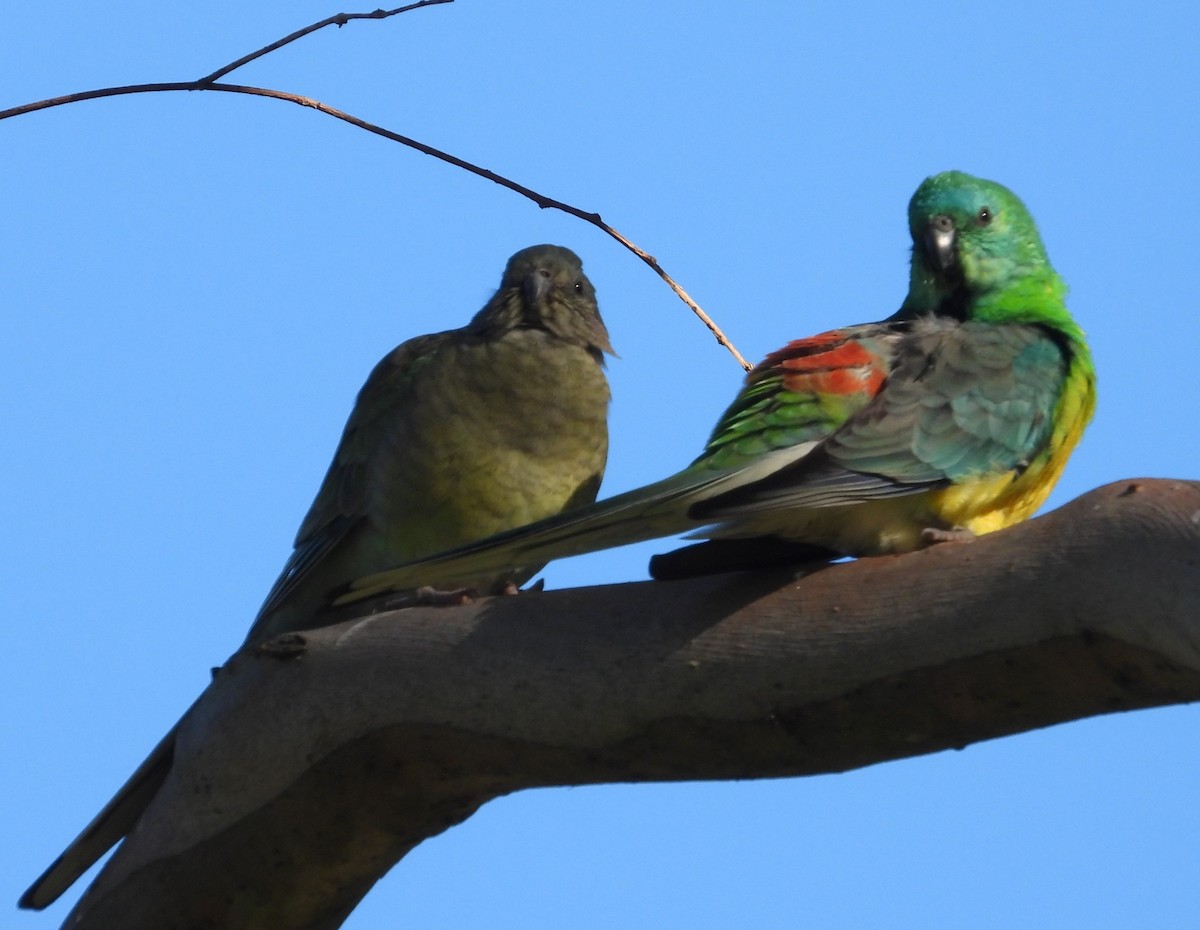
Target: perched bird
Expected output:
[455,436]
[953,417]
[460,435]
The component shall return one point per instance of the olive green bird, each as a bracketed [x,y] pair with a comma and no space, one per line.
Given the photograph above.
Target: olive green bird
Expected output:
[953,417]
[455,436]
[460,435]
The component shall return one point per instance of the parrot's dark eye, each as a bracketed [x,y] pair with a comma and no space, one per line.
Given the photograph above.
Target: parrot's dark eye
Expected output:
[985,216]
[578,287]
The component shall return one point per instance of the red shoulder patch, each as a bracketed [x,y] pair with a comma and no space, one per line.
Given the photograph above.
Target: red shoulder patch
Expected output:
[829,363]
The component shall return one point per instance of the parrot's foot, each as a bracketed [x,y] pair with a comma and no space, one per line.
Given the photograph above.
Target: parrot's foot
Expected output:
[434,597]
[284,646]
[932,535]
[427,596]
[511,587]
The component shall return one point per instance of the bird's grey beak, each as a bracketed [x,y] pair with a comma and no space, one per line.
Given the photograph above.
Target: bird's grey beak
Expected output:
[939,242]
[535,286]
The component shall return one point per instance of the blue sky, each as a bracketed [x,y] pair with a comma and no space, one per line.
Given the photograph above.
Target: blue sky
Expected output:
[197,284]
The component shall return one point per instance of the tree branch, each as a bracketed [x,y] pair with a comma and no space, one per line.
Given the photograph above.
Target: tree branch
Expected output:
[337,19]
[314,763]
[208,83]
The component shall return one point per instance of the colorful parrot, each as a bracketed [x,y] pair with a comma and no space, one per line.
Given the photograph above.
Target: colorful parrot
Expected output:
[953,417]
[455,436]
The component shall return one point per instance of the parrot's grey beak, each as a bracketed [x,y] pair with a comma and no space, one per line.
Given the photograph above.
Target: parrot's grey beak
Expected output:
[535,286]
[939,242]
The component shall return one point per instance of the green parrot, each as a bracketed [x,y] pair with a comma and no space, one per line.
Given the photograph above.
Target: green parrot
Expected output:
[953,417]
[455,436]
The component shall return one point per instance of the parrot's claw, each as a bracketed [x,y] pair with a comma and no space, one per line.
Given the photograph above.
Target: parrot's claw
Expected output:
[932,535]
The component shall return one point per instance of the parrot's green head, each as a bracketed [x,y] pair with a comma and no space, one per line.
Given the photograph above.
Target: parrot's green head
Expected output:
[544,287]
[973,242]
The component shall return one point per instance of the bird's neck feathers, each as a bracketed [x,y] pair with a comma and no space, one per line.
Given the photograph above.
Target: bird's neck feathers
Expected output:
[1035,297]
[508,311]
[504,312]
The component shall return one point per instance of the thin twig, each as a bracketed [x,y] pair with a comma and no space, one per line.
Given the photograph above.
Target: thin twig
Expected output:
[544,202]
[338,19]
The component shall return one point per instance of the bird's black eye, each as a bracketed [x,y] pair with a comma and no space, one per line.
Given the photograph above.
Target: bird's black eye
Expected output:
[985,216]
[578,287]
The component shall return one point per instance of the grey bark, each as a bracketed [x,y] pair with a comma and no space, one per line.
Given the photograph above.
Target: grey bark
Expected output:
[313,764]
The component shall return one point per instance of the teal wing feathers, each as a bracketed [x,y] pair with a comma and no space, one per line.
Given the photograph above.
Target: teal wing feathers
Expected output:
[961,400]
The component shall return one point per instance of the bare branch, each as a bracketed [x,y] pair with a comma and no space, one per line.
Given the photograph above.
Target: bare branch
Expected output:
[95,95]
[338,19]
[208,83]
[314,763]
